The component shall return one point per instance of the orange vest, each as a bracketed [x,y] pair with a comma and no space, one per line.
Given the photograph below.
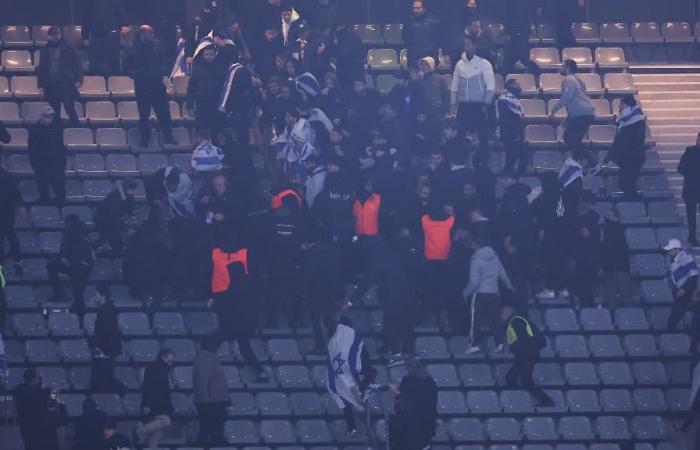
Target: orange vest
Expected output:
[437,237]
[220,280]
[276,202]
[367,216]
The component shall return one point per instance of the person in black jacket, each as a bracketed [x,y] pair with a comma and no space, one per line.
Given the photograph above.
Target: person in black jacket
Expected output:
[510,112]
[350,55]
[113,439]
[106,344]
[628,147]
[519,14]
[109,214]
[74,259]
[586,251]
[156,403]
[616,261]
[689,168]
[145,63]
[147,263]
[101,30]
[203,91]
[515,218]
[421,33]
[5,137]
[40,412]
[88,427]
[47,156]
[60,74]
[10,200]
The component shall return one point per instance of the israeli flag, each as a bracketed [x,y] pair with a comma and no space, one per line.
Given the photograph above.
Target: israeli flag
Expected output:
[180,68]
[629,116]
[308,83]
[226,91]
[205,42]
[683,267]
[512,102]
[344,366]
[569,172]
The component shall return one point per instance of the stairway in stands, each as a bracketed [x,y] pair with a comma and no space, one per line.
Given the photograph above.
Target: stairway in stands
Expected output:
[671,102]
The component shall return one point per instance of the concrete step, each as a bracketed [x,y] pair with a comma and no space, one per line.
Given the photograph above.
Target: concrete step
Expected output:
[659,121]
[672,95]
[660,130]
[670,103]
[666,87]
[666,77]
[654,112]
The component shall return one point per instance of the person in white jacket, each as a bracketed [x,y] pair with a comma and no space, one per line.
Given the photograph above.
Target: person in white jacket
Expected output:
[316,179]
[482,293]
[472,92]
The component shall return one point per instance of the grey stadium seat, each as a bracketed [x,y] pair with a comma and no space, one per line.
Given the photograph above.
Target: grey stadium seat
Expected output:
[382,59]
[445,375]
[575,429]
[41,352]
[169,324]
[64,324]
[615,374]
[483,402]
[96,190]
[148,164]
[31,111]
[548,374]
[309,404]
[503,429]
[25,87]
[183,348]
[476,375]
[646,33]
[242,404]
[432,348]
[640,346]
[516,402]
[649,265]
[121,165]
[201,323]
[677,32]
[111,139]
[606,346]
[650,373]
[539,429]
[648,428]
[673,345]
[75,350]
[615,33]
[541,135]
[89,165]
[9,113]
[134,324]
[53,377]
[571,347]
[101,113]
[582,401]
[29,324]
[79,139]
[581,374]
[451,403]
[313,432]
[273,404]
[586,33]
[16,36]
[649,400]
[616,401]
[641,239]
[612,428]
[582,56]
[561,320]
[596,319]
[277,432]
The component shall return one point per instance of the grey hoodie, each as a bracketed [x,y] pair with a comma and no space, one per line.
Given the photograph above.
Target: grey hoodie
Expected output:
[484,274]
[574,98]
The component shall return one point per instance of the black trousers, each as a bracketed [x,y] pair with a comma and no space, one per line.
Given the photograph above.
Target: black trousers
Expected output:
[679,308]
[285,292]
[582,284]
[153,96]
[520,374]
[54,179]
[102,376]
[113,236]
[211,424]
[7,231]
[474,117]
[517,155]
[691,211]
[576,128]
[57,94]
[519,50]
[627,178]
[78,277]
[322,315]
[104,54]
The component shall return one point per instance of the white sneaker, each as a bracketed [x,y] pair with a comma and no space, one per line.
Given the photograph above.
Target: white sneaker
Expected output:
[499,348]
[546,293]
[472,349]
[564,293]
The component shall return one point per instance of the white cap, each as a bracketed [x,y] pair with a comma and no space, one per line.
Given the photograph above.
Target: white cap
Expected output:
[673,244]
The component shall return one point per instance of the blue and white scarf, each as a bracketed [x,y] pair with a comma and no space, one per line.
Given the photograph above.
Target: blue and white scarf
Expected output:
[226,91]
[180,68]
[683,267]
[344,366]
[207,157]
[629,116]
[512,102]
[570,170]
[308,84]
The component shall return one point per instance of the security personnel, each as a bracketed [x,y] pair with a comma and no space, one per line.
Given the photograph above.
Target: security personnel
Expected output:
[366,210]
[277,198]
[221,259]
[437,229]
[525,342]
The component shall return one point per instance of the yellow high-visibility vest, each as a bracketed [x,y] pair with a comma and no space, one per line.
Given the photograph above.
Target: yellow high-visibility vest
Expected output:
[511,335]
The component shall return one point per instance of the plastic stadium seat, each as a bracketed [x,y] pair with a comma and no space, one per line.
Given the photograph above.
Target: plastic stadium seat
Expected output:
[313,432]
[612,428]
[646,33]
[39,34]
[382,59]
[305,404]
[534,109]
[15,352]
[466,430]
[134,324]
[148,164]
[649,400]
[610,58]
[16,36]
[677,399]
[483,402]
[72,34]
[596,319]
[561,320]
[101,113]
[45,216]
[571,346]
[615,33]
[602,135]
[31,111]
[451,403]
[169,324]
[109,403]
[655,186]
[143,350]
[674,345]
[128,112]
[541,135]
[593,83]
[89,165]
[29,324]
[650,373]
[121,87]
[632,213]
[182,140]
[180,85]
[75,350]
[9,113]
[631,319]
[663,213]
[649,265]
[616,400]
[527,83]
[581,374]
[201,323]
[582,56]
[547,160]
[677,33]
[445,375]
[53,377]
[392,33]
[371,34]
[128,376]
[93,87]
[641,239]
[619,84]
[476,375]
[432,348]
[648,428]
[273,404]
[83,212]
[64,324]
[277,432]
[678,372]
[539,429]
[286,350]
[19,165]
[586,33]
[79,139]
[546,35]
[385,83]
[582,401]
[548,374]
[242,404]
[133,137]
[516,402]
[16,61]
[41,352]
[19,296]
[640,346]
[5,88]
[502,429]
[658,317]
[182,161]
[547,58]
[96,190]
[111,139]
[550,83]
[575,429]
[615,374]
[25,87]
[602,111]
[606,346]
[121,165]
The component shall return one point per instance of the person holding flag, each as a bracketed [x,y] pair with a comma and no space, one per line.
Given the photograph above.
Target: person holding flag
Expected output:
[349,371]
[682,279]
[571,181]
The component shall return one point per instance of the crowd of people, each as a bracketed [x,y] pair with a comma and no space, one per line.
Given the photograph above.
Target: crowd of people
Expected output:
[360,190]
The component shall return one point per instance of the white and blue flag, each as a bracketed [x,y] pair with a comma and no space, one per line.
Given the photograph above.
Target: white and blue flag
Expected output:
[308,83]
[570,171]
[629,116]
[683,268]
[512,102]
[180,68]
[226,91]
[344,366]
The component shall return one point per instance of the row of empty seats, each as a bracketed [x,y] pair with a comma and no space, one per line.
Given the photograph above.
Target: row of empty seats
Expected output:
[22,36]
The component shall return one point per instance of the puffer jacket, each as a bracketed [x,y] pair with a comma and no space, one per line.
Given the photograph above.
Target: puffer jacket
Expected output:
[485,272]
[473,81]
